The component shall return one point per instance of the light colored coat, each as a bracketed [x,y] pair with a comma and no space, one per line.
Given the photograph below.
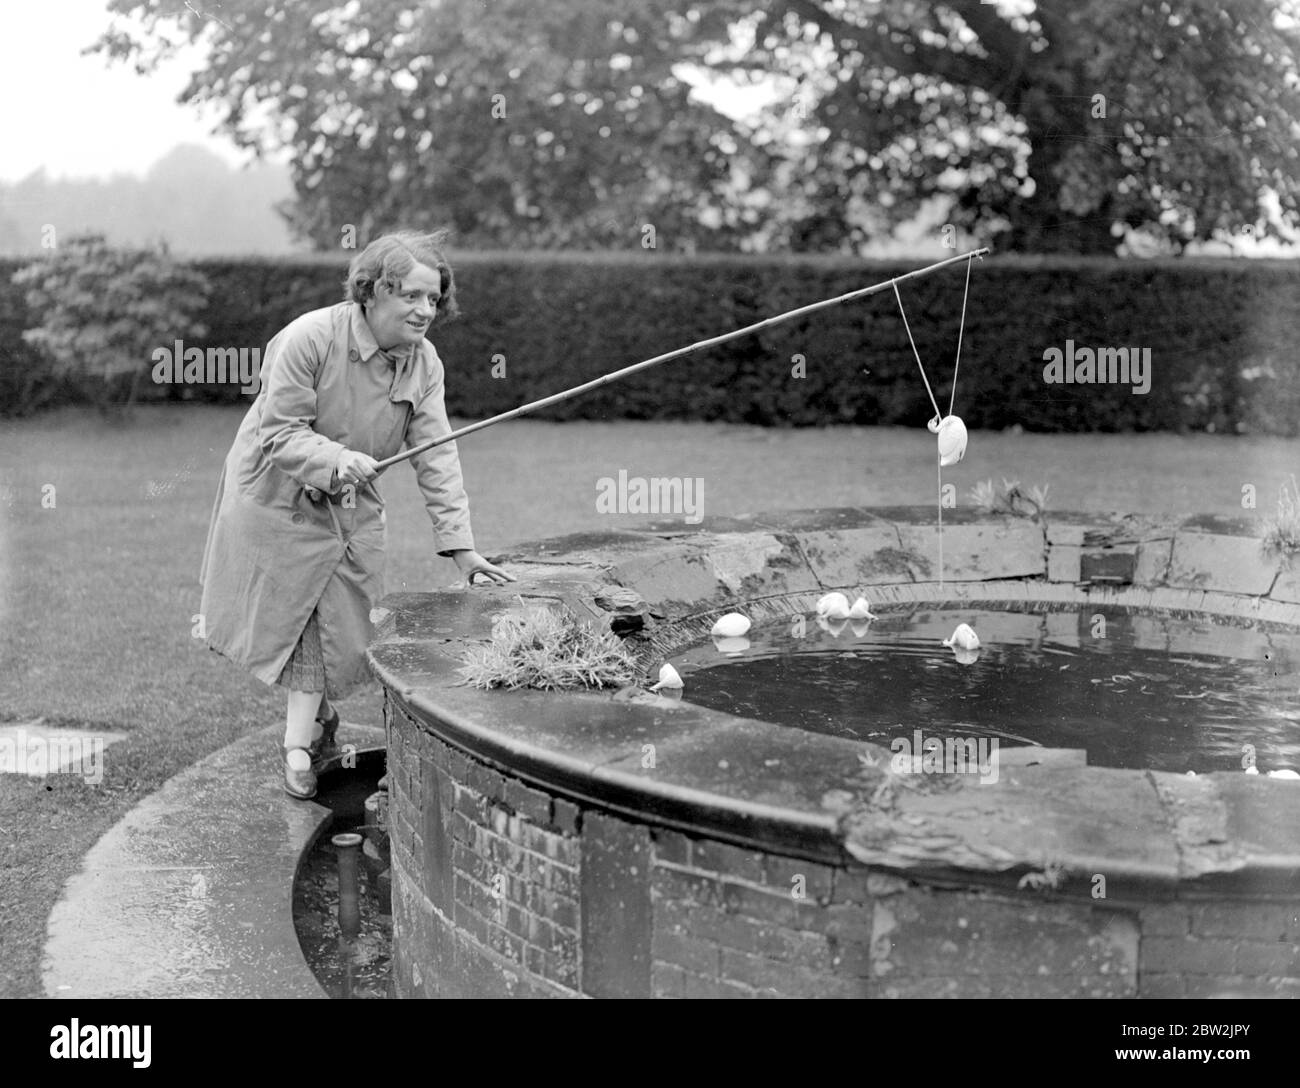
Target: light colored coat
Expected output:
[272,554]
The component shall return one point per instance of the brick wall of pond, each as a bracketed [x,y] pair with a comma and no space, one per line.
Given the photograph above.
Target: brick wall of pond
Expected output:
[503,890]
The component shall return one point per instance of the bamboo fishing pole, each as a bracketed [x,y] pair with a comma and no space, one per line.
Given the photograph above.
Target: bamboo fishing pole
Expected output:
[699,345]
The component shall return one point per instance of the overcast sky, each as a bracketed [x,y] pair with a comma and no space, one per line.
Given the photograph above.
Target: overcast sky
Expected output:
[78,116]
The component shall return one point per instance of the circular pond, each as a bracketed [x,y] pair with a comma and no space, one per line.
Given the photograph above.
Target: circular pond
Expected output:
[761,842]
[1140,691]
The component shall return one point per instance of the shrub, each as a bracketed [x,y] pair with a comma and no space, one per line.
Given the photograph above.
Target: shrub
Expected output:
[103,311]
[1222,335]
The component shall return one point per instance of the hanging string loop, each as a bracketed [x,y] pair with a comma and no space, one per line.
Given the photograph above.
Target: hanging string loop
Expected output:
[956,441]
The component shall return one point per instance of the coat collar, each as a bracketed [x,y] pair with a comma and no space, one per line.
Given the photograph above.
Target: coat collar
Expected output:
[405,384]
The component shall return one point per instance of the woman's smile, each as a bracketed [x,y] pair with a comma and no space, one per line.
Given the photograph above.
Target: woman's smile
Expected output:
[404,315]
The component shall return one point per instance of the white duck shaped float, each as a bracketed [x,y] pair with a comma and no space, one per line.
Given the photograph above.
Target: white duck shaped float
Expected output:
[861,610]
[732,625]
[669,679]
[965,644]
[951,432]
[834,606]
[963,638]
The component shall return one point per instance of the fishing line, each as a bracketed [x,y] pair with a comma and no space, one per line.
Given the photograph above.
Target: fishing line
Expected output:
[952,400]
[937,413]
[939,507]
[957,436]
[960,330]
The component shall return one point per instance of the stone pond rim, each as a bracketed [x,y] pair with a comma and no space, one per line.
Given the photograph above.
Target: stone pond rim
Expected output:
[479,775]
[588,745]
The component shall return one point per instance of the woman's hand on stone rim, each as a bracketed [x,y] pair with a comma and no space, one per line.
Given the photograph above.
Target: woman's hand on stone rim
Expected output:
[470,563]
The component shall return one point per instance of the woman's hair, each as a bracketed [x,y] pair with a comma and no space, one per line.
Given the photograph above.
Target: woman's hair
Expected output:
[387,259]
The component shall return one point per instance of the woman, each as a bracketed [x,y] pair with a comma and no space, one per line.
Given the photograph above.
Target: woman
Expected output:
[294,558]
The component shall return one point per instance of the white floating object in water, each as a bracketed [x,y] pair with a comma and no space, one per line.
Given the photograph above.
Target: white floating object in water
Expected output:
[668,678]
[732,646]
[964,638]
[965,644]
[732,625]
[834,606]
[952,439]
[861,610]
[1252,770]
[1285,774]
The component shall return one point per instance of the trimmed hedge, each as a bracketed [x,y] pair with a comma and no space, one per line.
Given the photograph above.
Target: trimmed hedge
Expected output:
[1222,335]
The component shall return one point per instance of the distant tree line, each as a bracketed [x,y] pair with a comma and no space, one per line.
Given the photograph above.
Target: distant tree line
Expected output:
[190,197]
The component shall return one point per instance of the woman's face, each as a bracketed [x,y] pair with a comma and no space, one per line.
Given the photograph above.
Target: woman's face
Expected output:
[403,317]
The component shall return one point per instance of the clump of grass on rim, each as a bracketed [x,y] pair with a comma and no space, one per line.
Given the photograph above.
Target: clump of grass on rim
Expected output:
[1011,499]
[547,649]
[1282,530]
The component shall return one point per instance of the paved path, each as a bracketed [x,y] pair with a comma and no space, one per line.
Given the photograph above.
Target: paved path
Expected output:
[190,894]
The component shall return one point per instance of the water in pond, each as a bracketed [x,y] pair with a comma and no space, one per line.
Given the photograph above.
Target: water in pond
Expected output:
[1144,691]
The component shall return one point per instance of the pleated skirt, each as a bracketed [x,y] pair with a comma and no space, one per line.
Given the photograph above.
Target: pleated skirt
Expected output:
[305,669]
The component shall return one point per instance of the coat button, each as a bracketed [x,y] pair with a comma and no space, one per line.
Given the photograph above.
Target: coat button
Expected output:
[298,519]
[354,355]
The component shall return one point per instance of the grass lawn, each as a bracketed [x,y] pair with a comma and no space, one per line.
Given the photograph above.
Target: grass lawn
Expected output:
[97,592]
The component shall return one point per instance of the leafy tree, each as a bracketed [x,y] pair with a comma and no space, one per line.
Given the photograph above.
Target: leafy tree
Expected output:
[1054,125]
[104,311]
[517,122]
[1051,129]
